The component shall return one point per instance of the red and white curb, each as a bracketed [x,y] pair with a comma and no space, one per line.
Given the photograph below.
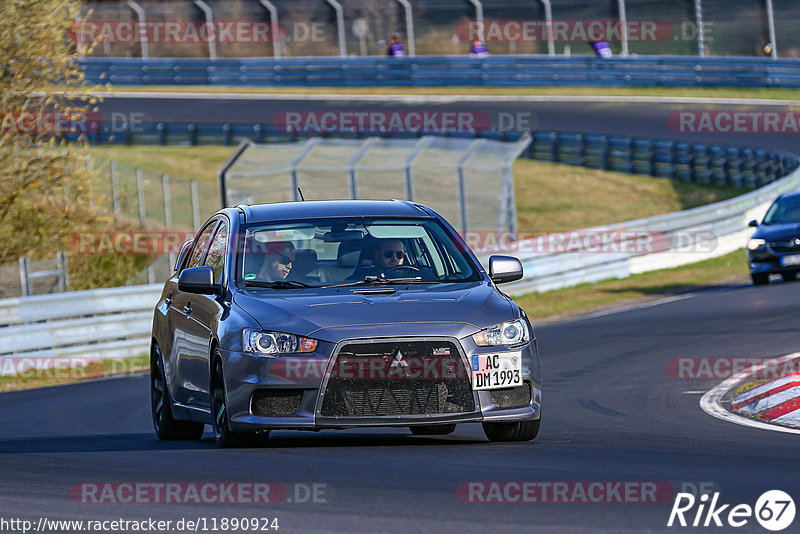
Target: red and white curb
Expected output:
[777,401]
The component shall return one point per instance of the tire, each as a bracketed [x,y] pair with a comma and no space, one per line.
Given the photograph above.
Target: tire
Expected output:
[790,276]
[224,436]
[166,427]
[759,279]
[519,431]
[433,430]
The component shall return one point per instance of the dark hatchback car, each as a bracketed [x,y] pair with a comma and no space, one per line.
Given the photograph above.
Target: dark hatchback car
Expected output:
[775,246]
[339,314]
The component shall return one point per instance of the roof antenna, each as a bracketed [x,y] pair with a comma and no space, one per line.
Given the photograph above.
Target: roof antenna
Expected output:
[301,194]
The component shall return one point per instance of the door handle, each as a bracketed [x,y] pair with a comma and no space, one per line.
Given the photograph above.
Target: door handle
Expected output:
[168,301]
[187,309]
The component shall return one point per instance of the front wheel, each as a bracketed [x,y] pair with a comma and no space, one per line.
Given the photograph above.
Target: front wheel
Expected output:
[519,431]
[223,434]
[759,279]
[790,276]
[166,427]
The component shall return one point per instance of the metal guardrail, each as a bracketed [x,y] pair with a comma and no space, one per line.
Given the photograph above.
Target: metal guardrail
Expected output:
[687,237]
[95,324]
[499,70]
[690,162]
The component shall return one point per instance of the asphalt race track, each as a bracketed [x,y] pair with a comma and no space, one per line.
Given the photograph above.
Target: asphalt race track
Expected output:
[612,413]
[612,116]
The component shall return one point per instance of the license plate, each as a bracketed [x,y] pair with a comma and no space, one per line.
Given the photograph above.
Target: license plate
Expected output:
[494,371]
[790,260]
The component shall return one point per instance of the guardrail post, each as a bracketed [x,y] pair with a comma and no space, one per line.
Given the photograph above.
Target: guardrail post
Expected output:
[63,273]
[226,134]
[258,133]
[653,159]
[606,153]
[581,150]
[554,147]
[631,149]
[192,134]
[24,279]
[162,133]
[140,191]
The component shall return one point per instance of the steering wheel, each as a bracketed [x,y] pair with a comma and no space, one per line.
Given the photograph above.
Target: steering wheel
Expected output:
[400,267]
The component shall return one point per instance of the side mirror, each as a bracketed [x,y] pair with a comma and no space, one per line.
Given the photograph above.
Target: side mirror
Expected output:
[504,269]
[185,248]
[752,223]
[199,280]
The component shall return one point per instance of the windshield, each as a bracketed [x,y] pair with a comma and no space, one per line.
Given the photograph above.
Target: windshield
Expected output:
[345,251]
[783,211]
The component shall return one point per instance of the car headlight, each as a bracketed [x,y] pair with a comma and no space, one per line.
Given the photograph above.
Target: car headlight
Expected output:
[512,333]
[276,343]
[753,244]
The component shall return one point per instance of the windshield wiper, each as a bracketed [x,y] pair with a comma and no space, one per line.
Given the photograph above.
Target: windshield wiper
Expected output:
[279,284]
[380,280]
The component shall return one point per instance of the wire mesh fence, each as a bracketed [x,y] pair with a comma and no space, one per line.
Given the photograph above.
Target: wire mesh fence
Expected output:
[467,180]
[244,28]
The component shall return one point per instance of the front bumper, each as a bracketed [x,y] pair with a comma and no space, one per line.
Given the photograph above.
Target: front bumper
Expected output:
[305,378]
[767,261]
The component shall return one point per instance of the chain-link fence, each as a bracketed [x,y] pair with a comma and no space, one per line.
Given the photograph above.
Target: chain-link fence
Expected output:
[468,181]
[247,28]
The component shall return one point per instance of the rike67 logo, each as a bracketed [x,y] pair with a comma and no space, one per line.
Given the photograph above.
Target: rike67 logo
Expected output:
[774,510]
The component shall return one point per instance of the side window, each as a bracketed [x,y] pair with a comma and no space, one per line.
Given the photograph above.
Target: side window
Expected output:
[201,245]
[216,253]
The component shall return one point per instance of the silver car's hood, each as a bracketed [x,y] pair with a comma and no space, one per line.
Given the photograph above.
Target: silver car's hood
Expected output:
[332,314]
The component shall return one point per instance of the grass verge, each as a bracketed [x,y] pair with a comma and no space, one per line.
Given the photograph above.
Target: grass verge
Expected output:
[675,92]
[652,285]
[553,197]
[40,378]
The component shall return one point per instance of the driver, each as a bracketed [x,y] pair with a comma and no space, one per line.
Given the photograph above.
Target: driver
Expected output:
[380,256]
[278,261]
[388,253]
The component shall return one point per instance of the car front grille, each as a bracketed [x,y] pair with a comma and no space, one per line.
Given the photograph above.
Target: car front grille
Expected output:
[397,378]
[276,402]
[785,246]
[515,397]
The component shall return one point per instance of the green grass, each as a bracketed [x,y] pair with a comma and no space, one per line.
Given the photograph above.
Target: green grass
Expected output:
[655,284]
[706,92]
[39,378]
[554,197]
[197,162]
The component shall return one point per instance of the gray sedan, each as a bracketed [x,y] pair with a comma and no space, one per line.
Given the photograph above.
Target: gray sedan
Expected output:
[339,314]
